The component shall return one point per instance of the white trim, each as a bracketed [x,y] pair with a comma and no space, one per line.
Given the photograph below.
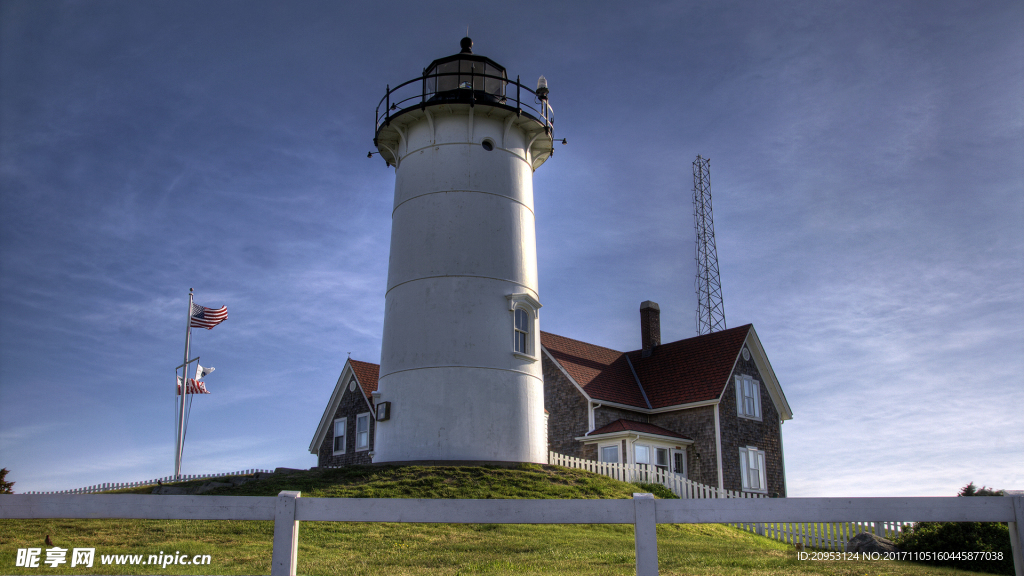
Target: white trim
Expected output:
[520,297]
[768,375]
[782,460]
[718,448]
[531,309]
[340,387]
[640,410]
[668,457]
[636,460]
[369,416]
[739,382]
[332,407]
[626,434]
[618,448]
[745,470]
[334,428]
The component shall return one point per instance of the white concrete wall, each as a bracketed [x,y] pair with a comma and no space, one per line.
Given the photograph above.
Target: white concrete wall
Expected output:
[462,240]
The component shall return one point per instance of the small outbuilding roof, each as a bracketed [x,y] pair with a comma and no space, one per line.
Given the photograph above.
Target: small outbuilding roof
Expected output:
[632,426]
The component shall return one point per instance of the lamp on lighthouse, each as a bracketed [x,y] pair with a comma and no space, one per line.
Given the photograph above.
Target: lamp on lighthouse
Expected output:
[465,76]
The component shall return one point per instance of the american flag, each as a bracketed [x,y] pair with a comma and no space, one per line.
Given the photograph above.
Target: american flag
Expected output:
[203,317]
[193,387]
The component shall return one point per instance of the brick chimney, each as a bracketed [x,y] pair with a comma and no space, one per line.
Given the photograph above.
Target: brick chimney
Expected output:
[650,326]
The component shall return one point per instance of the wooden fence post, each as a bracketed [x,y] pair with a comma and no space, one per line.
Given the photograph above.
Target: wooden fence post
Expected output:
[1017,535]
[286,536]
[645,534]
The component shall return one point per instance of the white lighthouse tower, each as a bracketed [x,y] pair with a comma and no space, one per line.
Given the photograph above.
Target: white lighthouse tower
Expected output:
[460,368]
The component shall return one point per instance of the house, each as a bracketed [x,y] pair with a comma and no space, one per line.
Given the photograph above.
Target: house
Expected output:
[708,407]
[345,434]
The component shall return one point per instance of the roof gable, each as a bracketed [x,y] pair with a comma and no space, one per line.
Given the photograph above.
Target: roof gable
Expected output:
[603,373]
[691,370]
[366,375]
[622,425]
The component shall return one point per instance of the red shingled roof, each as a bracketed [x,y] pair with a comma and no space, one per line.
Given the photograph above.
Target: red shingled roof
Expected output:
[366,374]
[682,372]
[631,426]
[602,372]
[689,370]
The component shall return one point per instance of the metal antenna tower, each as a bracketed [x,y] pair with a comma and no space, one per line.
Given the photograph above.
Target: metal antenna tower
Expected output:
[710,309]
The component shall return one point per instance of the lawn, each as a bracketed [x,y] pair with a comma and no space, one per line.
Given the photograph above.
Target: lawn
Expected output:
[237,547]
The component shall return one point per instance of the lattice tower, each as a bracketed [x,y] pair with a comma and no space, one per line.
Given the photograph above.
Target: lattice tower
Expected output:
[710,309]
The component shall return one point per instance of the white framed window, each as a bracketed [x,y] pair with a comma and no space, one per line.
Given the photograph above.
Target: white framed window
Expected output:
[752,469]
[363,431]
[661,458]
[609,453]
[522,331]
[642,454]
[524,309]
[339,436]
[748,397]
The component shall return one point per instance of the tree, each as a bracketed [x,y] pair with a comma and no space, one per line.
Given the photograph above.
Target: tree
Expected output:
[5,486]
[963,537]
[970,490]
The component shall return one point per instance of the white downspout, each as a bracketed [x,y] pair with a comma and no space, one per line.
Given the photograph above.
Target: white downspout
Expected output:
[718,449]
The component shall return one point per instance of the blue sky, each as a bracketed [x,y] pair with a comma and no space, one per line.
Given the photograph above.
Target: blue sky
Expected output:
[867,169]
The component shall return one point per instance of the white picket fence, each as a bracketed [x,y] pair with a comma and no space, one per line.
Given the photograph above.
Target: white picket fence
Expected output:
[105,487]
[823,536]
[829,536]
[644,512]
[677,483]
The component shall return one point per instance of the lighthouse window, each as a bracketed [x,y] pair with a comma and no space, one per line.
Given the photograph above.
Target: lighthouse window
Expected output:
[523,313]
[488,145]
[522,331]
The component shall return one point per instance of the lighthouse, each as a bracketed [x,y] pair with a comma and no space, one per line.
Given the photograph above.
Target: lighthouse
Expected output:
[460,367]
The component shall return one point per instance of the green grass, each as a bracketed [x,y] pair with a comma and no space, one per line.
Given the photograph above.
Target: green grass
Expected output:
[357,548]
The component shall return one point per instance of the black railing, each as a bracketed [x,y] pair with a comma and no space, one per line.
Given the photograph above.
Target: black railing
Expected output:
[423,91]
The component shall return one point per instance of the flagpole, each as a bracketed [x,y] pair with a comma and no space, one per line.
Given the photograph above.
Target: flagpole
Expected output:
[184,390]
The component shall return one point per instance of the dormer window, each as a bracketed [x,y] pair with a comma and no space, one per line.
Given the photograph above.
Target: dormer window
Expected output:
[524,309]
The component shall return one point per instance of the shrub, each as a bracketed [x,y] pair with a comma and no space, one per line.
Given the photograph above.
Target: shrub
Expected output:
[962,537]
[658,490]
[5,486]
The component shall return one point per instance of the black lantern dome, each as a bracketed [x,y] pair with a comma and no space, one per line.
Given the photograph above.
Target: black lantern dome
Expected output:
[466,76]
[457,84]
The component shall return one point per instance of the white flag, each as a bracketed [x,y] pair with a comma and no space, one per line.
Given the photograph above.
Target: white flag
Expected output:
[202,372]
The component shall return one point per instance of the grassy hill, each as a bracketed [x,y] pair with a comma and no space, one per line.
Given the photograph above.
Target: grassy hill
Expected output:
[239,547]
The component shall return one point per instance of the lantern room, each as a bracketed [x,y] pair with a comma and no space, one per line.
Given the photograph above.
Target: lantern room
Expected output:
[466,76]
